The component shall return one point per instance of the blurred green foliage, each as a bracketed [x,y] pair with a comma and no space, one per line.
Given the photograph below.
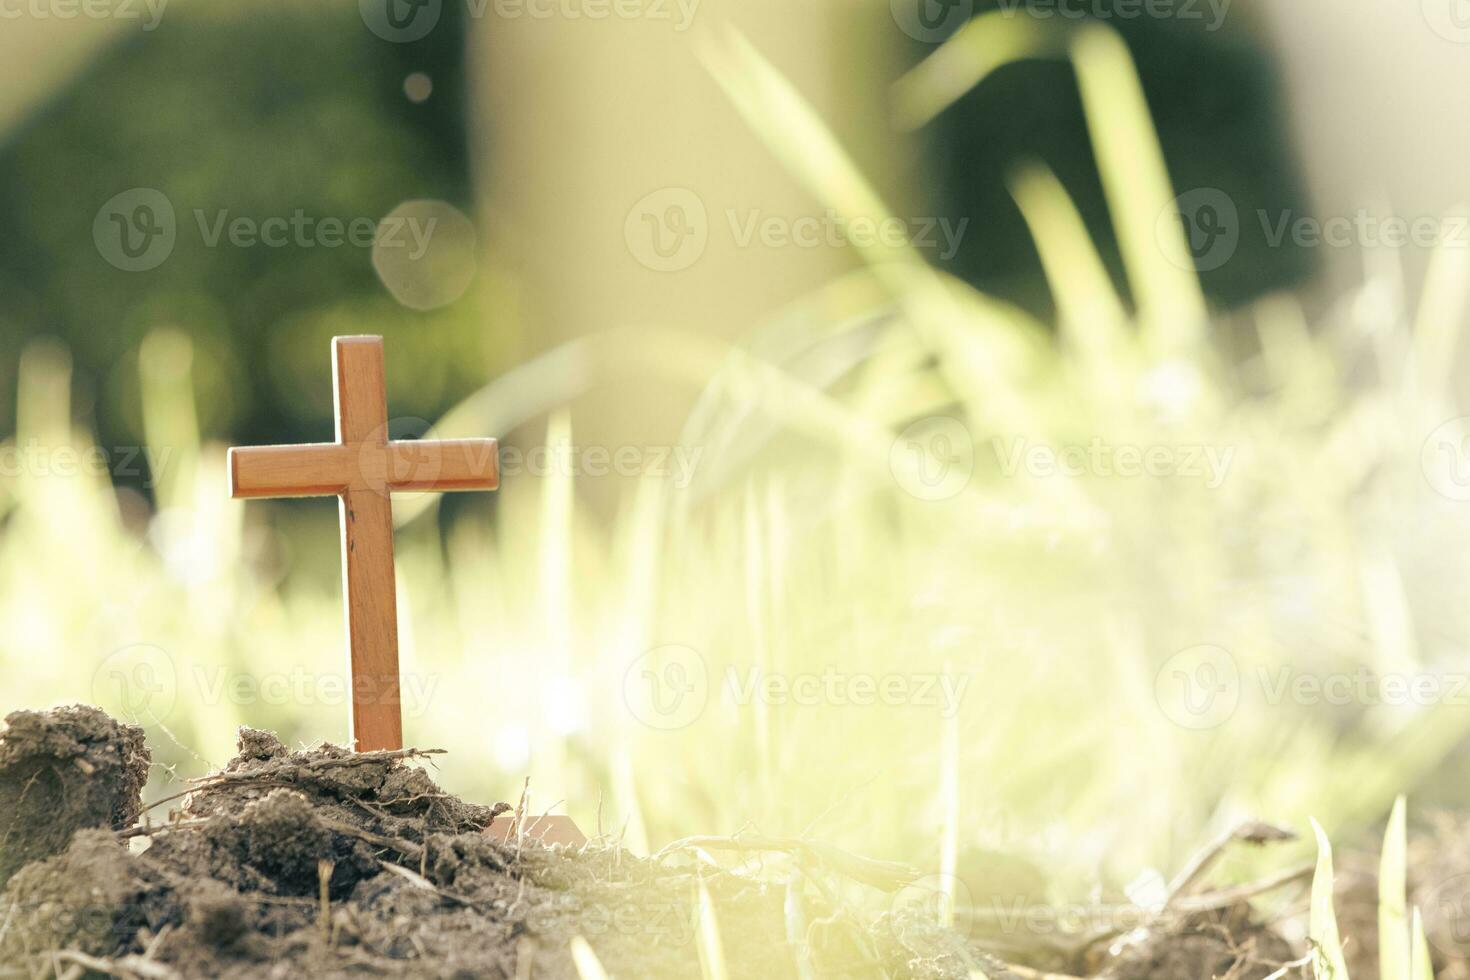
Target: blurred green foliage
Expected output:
[260,111]
[1216,102]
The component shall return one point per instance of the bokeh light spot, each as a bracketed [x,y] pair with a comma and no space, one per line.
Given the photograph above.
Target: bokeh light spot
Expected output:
[418,87]
[424,253]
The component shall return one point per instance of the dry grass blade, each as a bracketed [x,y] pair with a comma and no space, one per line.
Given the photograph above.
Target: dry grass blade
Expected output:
[1026,973]
[127,967]
[324,897]
[419,881]
[1285,970]
[405,847]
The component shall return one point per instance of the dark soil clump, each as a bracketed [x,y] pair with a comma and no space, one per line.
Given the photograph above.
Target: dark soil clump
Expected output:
[63,771]
[1227,945]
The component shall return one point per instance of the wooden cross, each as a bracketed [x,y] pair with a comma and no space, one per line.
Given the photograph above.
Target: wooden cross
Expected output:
[362,469]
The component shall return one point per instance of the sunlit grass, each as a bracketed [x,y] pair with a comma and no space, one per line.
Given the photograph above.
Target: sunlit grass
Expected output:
[1328,962]
[711,948]
[1393,874]
[802,547]
[1403,949]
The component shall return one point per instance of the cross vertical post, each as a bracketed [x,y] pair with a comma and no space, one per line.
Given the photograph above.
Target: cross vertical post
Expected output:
[363,468]
[371,605]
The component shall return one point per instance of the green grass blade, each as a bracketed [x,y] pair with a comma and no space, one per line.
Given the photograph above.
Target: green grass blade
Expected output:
[1393,927]
[1130,160]
[1327,956]
[1091,314]
[1136,183]
[980,47]
[1422,966]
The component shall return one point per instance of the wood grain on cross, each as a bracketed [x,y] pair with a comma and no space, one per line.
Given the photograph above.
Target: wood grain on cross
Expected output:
[363,468]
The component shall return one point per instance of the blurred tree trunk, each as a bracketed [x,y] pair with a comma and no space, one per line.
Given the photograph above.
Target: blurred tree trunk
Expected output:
[584,119]
[1380,105]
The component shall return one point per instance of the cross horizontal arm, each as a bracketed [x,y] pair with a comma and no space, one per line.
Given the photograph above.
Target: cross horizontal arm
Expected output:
[310,470]
[444,465]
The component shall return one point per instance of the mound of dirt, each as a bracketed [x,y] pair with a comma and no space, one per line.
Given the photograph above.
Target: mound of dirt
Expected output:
[62,771]
[325,863]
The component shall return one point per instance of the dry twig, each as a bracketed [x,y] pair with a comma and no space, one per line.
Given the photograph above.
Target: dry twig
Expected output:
[128,967]
[1253,832]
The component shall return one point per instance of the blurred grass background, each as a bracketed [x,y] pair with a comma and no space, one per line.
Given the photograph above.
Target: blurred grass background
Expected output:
[807,540]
